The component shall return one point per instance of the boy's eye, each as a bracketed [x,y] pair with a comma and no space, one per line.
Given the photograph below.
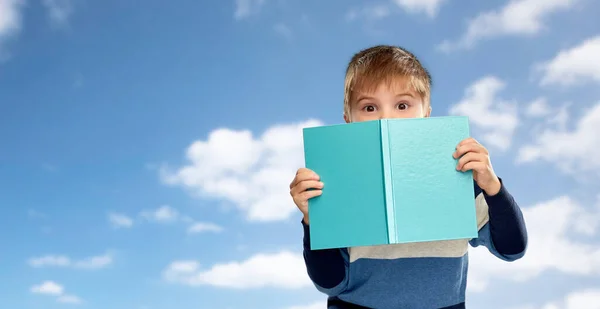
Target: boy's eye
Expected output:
[369,108]
[402,106]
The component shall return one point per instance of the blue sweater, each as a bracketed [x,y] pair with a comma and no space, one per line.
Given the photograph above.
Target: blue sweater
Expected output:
[416,275]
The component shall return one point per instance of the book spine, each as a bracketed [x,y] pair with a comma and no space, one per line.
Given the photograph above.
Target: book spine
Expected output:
[387,182]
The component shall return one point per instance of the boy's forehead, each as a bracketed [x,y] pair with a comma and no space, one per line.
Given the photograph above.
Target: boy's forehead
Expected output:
[394,84]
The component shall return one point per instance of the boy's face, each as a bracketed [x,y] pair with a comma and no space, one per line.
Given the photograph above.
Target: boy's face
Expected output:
[398,101]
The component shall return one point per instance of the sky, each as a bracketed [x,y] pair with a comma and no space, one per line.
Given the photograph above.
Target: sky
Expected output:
[146,149]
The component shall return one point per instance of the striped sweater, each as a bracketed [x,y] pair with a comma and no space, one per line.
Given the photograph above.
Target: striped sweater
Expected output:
[416,275]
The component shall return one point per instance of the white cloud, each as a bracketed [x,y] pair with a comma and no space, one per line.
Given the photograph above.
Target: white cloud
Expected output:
[555,229]
[283,30]
[35,214]
[59,11]
[584,299]
[370,12]
[50,167]
[246,8]
[48,288]
[54,289]
[120,220]
[572,151]
[284,270]
[10,19]
[94,262]
[182,267]
[50,260]
[538,108]
[69,299]
[561,117]
[379,10]
[163,214]
[10,16]
[200,227]
[516,18]
[166,214]
[577,65]
[315,305]
[496,117]
[429,7]
[253,173]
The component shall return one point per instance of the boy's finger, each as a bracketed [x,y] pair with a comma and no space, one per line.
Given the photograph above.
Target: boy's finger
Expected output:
[307,184]
[468,140]
[295,190]
[461,150]
[294,182]
[469,157]
[310,194]
[302,170]
[307,175]
[303,174]
[300,176]
[308,172]
[474,166]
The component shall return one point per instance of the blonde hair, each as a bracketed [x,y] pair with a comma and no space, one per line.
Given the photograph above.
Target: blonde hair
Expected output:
[383,63]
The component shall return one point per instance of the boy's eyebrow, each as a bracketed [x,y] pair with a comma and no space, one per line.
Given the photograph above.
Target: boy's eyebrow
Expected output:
[402,94]
[362,96]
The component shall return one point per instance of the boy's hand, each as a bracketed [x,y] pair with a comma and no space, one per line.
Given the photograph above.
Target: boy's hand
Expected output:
[473,156]
[299,189]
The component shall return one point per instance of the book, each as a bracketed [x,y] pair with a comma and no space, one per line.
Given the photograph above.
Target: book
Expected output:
[389,181]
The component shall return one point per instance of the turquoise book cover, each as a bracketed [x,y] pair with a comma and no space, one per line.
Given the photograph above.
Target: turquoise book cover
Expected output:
[389,181]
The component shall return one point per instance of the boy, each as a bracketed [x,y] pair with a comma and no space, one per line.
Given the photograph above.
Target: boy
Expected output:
[390,82]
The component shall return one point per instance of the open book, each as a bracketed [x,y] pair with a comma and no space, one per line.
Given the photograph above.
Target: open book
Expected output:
[389,181]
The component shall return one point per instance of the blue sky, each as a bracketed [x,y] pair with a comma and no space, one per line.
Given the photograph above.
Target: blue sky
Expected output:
[147,149]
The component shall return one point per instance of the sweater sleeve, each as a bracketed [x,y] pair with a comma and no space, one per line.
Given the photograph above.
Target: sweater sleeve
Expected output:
[327,268]
[504,233]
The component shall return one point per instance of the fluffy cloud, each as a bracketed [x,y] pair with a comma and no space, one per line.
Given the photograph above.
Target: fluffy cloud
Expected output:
[538,108]
[163,214]
[495,117]
[94,262]
[59,11]
[200,227]
[52,288]
[35,214]
[48,288]
[10,18]
[553,228]
[369,12]
[50,260]
[584,299]
[572,151]
[166,214]
[246,8]
[69,299]
[429,7]
[120,220]
[315,305]
[577,65]
[517,17]
[374,11]
[278,270]
[253,173]
[283,30]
